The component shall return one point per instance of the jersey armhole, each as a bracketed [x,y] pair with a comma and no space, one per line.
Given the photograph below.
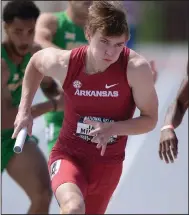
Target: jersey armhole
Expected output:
[74,65]
[126,54]
[68,75]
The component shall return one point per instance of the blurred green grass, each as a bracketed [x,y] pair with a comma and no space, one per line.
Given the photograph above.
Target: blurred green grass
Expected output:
[151,27]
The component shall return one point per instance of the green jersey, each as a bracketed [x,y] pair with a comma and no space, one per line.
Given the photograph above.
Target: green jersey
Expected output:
[68,36]
[16,76]
[15,81]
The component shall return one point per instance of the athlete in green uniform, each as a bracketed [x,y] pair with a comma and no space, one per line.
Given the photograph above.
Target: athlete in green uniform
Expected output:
[28,169]
[62,30]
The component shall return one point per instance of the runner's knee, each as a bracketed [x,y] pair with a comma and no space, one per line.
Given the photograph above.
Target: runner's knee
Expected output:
[72,204]
[70,199]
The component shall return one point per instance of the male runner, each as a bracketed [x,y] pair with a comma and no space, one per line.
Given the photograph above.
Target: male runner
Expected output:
[103,82]
[168,146]
[28,169]
[63,30]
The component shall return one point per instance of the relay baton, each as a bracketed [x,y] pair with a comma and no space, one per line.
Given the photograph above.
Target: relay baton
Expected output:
[20,140]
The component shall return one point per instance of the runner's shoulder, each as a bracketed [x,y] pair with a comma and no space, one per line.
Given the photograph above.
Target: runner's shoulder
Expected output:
[137,61]
[138,67]
[51,57]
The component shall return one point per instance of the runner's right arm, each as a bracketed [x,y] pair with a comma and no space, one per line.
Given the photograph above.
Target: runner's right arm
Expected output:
[9,111]
[47,62]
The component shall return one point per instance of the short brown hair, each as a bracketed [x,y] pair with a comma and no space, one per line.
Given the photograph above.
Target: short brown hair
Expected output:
[109,17]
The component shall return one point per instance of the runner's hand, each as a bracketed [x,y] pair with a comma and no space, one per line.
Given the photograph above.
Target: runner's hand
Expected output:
[102,133]
[23,120]
[168,146]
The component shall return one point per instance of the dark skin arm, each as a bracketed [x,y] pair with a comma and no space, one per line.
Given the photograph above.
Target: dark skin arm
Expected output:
[49,87]
[177,110]
[168,147]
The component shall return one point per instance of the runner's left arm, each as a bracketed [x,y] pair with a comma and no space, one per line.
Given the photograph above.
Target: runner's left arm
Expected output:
[141,82]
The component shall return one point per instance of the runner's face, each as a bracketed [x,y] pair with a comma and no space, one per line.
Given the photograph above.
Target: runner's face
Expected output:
[106,50]
[80,8]
[21,35]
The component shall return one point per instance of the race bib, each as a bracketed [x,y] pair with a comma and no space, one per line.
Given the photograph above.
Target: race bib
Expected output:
[84,129]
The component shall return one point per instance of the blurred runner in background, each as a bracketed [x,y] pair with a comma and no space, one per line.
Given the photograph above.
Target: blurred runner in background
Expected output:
[28,169]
